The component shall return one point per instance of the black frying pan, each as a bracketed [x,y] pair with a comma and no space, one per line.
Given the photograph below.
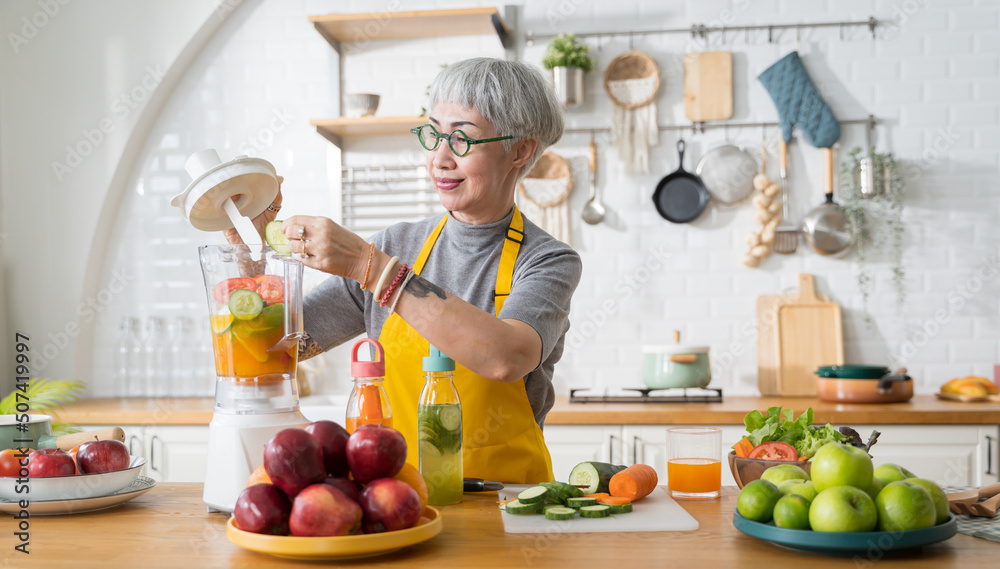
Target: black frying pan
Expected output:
[681,196]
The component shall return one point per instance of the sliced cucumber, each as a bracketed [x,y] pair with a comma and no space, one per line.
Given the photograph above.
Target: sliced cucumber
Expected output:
[245,304]
[516,507]
[595,476]
[560,513]
[533,495]
[599,511]
[276,239]
[619,508]
[450,417]
[581,502]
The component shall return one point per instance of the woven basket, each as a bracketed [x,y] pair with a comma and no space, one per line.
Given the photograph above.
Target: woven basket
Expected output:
[550,166]
[632,65]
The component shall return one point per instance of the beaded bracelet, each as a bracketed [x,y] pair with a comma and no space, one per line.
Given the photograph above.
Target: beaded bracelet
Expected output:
[368,267]
[385,276]
[395,284]
[402,287]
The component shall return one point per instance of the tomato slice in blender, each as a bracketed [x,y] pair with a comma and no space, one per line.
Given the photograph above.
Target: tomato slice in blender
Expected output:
[270,288]
[225,288]
[774,450]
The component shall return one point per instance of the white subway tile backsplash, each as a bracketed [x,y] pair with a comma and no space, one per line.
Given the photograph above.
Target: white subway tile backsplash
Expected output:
[979,18]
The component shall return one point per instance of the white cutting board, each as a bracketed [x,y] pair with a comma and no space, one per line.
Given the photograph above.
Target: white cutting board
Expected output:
[656,512]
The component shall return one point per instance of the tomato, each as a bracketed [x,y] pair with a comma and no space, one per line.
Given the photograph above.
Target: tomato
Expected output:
[774,450]
[8,463]
[222,290]
[270,288]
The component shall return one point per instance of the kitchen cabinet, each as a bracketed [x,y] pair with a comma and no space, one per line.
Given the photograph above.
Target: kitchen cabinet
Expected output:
[173,453]
[571,445]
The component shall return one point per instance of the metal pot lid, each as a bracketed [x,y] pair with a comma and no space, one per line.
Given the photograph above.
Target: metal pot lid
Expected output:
[675,349]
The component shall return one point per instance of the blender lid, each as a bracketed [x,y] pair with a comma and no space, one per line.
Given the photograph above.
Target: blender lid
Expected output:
[252,184]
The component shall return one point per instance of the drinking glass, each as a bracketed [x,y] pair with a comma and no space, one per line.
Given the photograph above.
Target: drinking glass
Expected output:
[694,468]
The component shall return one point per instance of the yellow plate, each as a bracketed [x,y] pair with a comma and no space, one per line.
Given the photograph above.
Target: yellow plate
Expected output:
[967,398]
[338,547]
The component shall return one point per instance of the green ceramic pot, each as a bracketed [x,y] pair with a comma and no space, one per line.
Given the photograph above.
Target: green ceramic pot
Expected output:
[665,367]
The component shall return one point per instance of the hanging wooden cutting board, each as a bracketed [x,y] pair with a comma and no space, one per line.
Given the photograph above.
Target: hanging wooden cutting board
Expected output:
[708,86]
[808,335]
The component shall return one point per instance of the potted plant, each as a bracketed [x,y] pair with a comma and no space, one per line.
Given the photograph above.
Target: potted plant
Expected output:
[569,60]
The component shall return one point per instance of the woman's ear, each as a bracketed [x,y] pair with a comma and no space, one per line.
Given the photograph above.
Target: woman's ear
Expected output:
[523,151]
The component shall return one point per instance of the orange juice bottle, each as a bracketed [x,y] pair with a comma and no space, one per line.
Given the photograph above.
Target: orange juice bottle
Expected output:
[368,403]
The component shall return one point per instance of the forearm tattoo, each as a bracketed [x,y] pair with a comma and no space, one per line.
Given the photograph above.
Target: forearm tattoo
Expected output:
[422,288]
[308,348]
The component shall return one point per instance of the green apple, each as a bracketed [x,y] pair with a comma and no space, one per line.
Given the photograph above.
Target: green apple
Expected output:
[782,472]
[756,501]
[792,512]
[842,509]
[875,488]
[937,495]
[836,464]
[903,505]
[803,488]
[891,473]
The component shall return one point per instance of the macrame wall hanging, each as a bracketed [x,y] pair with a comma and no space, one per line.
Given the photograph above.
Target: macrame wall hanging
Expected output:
[543,194]
[632,80]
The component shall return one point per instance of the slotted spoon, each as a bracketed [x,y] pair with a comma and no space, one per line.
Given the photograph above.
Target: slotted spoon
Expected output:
[786,236]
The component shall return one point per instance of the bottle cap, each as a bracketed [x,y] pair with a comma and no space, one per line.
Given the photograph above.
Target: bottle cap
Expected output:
[374,368]
[436,361]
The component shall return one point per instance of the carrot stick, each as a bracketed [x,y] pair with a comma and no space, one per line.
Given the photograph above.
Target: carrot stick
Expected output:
[634,483]
[613,500]
[743,447]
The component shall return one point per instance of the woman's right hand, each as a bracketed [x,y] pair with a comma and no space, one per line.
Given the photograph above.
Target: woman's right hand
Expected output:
[260,222]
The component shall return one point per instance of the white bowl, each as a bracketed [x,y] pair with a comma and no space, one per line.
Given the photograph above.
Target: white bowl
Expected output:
[360,104]
[76,487]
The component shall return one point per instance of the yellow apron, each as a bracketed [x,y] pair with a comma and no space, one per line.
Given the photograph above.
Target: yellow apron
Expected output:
[500,438]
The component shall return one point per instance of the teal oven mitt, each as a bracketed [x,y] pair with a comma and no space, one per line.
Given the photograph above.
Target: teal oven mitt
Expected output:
[799,103]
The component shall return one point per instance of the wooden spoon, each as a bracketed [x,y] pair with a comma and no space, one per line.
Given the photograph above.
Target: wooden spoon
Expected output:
[987,508]
[959,502]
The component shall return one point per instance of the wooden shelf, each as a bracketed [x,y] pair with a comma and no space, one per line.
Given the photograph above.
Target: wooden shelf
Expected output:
[361,28]
[366,126]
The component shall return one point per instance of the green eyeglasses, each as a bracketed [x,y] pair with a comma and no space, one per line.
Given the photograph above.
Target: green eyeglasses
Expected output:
[458,141]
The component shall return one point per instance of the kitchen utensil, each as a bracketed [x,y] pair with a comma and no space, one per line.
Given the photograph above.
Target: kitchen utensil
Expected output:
[544,191]
[680,196]
[339,546]
[140,486]
[861,544]
[593,211]
[75,486]
[632,81]
[708,86]
[825,227]
[693,467]
[786,236]
[656,512]
[746,470]
[360,104]
[799,102]
[727,171]
[986,508]
[480,485]
[862,384]
[675,365]
[38,434]
[808,335]
[959,501]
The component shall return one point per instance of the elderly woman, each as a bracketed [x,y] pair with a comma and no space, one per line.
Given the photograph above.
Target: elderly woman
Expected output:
[482,283]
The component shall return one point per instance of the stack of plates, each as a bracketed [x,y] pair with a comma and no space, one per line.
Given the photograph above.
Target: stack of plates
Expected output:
[75,494]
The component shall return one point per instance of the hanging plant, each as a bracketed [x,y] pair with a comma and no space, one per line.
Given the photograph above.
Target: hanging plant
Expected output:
[875,222]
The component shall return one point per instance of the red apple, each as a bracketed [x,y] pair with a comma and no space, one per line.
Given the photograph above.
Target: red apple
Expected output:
[263,508]
[345,485]
[293,459]
[389,505]
[375,451]
[322,510]
[102,456]
[333,439]
[46,462]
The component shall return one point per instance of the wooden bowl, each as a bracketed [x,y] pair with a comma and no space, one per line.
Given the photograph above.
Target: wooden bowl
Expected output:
[746,470]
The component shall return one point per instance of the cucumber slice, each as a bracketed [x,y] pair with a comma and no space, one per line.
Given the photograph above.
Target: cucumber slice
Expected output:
[619,508]
[245,304]
[599,511]
[450,417]
[533,495]
[560,513]
[516,507]
[581,502]
[594,475]
[276,239]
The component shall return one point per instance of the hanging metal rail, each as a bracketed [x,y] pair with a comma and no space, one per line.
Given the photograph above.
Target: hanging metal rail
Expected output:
[700,127]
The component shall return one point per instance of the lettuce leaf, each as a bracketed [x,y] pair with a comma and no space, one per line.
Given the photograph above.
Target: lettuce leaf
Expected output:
[815,437]
[779,424]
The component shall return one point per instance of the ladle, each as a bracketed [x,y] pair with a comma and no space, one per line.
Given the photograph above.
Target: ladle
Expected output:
[594,211]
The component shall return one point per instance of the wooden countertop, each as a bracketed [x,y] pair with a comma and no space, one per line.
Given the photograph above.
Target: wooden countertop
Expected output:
[169,527]
[921,410]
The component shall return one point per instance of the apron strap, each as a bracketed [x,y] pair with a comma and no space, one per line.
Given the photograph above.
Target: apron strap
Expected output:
[425,251]
[511,246]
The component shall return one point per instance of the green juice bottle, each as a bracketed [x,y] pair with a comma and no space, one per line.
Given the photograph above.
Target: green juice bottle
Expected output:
[439,431]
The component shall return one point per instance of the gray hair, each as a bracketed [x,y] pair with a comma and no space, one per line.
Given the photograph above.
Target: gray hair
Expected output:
[514,96]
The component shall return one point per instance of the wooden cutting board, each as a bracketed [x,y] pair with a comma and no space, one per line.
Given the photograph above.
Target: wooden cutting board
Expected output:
[708,86]
[796,333]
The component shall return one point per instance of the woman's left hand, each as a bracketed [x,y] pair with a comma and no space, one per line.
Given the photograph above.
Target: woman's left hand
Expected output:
[326,246]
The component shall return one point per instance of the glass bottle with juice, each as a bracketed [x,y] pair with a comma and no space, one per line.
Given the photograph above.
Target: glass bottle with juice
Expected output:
[439,431]
[368,403]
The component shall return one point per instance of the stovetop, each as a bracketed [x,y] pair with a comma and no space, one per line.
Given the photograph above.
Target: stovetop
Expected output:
[646,395]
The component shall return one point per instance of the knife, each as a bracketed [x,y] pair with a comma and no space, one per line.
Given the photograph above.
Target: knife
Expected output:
[480,485]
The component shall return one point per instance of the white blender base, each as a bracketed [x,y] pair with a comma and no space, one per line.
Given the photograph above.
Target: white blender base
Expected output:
[235,449]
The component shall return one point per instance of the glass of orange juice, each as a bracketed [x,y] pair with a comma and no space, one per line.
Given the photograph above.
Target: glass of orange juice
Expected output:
[694,468]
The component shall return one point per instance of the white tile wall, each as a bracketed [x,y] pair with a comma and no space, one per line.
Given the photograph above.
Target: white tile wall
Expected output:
[931,75]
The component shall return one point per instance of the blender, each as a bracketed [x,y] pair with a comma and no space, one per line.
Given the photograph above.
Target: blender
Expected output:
[255,313]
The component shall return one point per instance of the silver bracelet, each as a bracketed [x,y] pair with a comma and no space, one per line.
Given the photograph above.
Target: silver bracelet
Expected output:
[402,287]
